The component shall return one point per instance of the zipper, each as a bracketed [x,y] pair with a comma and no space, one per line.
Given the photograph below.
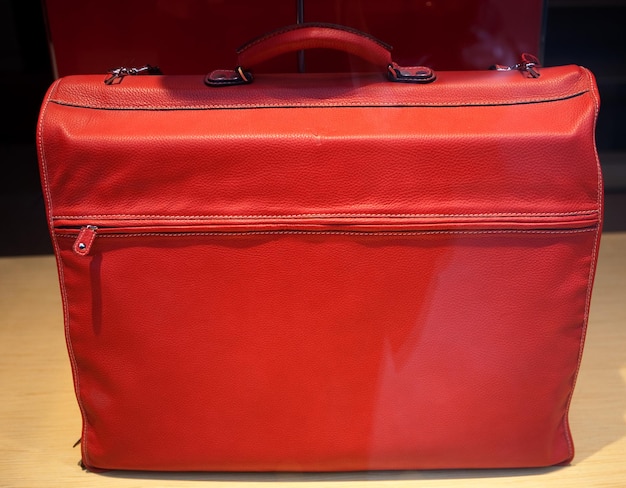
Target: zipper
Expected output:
[528,64]
[348,225]
[116,75]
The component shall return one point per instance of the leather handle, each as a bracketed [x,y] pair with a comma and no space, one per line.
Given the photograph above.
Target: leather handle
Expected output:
[315,36]
[300,37]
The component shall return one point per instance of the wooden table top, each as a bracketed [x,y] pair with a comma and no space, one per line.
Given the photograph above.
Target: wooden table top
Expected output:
[40,421]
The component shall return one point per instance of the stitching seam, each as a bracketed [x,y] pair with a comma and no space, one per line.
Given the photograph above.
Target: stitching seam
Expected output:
[241,106]
[347,233]
[325,215]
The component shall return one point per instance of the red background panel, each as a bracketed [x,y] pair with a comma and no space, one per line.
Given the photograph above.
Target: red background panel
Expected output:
[194,36]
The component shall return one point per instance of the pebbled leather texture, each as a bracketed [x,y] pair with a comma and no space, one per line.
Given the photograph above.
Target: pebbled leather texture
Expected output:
[324,272]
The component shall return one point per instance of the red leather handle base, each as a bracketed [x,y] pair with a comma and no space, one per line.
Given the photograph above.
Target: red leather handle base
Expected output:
[314,36]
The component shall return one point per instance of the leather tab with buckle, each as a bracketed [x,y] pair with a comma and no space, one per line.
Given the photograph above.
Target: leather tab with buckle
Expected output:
[411,74]
[228,77]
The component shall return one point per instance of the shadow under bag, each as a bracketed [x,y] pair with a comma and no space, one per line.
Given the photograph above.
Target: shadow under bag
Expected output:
[324,272]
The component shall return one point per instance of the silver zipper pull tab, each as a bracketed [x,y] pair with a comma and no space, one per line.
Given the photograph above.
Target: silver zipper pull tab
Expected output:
[85,239]
[118,74]
[529,64]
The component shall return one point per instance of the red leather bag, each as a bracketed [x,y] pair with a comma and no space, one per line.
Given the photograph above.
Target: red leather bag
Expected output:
[386,270]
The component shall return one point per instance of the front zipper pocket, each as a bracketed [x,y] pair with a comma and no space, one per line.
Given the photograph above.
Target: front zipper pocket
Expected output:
[245,327]
[357,225]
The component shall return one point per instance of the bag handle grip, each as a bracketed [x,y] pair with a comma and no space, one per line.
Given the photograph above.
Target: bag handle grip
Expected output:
[315,35]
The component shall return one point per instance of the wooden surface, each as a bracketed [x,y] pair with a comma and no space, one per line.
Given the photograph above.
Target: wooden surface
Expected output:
[39,419]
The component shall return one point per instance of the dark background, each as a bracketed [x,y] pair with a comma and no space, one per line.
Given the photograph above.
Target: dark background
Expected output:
[588,33]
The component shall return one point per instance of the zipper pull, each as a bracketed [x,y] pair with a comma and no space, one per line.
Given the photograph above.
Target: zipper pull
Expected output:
[85,239]
[118,74]
[529,64]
